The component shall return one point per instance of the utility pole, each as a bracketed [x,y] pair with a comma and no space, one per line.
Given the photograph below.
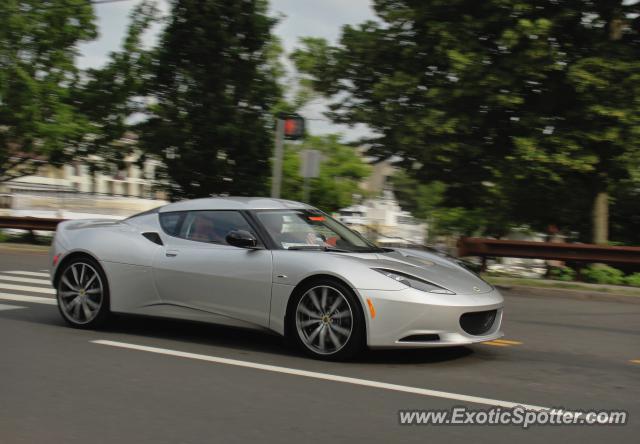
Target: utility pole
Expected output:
[276,176]
[309,168]
[305,189]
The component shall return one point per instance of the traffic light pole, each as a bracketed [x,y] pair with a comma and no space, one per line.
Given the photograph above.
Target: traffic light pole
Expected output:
[276,176]
[305,190]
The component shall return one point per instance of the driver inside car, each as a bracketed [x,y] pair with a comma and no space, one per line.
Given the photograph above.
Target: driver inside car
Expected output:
[275,224]
[203,230]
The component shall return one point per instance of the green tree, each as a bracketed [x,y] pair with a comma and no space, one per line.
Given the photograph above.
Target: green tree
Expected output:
[341,171]
[526,110]
[425,201]
[214,85]
[625,214]
[39,119]
[418,198]
[112,95]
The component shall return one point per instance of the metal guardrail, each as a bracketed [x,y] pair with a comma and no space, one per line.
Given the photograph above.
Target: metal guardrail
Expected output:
[29,223]
[470,246]
[467,246]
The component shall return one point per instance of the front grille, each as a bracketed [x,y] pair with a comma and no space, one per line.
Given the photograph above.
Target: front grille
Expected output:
[421,338]
[478,322]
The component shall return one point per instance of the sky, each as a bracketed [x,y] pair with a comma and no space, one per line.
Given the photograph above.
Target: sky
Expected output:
[299,18]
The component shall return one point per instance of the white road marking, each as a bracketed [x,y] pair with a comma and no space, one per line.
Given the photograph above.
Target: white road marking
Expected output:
[28,273]
[9,307]
[49,290]
[4,277]
[328,377]
[25,298]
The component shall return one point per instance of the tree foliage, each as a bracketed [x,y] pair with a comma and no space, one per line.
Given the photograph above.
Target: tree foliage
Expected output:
[524,109]
[39,118]
[341,172]
[111,96]
[425,201]
[214,84]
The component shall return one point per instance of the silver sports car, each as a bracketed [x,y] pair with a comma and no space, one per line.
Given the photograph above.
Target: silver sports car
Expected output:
[270,264]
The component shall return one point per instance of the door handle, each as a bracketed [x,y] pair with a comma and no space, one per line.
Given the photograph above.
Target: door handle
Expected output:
[171,253]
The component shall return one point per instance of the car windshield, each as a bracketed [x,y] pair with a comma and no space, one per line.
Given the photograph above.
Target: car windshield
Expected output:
[312,230]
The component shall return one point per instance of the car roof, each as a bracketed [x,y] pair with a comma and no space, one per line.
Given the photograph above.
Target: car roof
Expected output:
[234,203]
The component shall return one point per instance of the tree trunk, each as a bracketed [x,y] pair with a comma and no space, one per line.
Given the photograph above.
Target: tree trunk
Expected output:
[600,221]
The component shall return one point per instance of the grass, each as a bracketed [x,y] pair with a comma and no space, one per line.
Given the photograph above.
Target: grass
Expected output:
[25,237]
[562,285]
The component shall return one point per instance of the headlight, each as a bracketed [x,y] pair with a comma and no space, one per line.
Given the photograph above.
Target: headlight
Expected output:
[413,282]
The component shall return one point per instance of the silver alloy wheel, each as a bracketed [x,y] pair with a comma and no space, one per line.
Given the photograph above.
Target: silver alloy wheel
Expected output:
[80,293]
[324,320]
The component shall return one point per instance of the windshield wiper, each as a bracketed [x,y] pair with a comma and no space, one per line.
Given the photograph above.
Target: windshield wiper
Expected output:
[319,248]
[338,250]
[372,250]
[305,247]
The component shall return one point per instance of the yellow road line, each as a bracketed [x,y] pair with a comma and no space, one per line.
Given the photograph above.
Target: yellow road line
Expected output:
[507,341]
[495,344]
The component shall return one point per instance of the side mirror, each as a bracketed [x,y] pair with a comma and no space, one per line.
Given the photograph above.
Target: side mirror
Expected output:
[242,239]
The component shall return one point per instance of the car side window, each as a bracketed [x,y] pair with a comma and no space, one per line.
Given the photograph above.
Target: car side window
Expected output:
[171,222]
[205,226]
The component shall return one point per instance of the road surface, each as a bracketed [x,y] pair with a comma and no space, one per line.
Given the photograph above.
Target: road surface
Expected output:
[160,381]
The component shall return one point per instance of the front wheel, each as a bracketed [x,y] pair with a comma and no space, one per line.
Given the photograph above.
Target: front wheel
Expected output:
[327,321]
[83,293]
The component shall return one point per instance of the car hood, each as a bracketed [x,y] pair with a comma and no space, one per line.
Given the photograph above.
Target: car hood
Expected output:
[430,267]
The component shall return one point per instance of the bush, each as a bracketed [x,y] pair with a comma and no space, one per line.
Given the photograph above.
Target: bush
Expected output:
[562,273]
[603,274]
[633,280]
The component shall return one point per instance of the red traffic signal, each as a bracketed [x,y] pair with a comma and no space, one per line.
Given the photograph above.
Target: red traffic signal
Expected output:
[293,127]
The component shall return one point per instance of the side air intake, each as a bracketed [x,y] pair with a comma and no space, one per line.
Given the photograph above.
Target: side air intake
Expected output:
[421,338]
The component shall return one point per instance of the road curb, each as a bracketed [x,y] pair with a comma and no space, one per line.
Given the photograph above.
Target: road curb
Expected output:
[583,295]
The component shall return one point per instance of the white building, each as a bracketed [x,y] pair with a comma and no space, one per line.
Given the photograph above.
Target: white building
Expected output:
[382,220]
[71,191]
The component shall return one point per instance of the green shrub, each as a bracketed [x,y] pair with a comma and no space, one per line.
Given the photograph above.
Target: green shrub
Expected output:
[633,280]
[603,274]
[562,273]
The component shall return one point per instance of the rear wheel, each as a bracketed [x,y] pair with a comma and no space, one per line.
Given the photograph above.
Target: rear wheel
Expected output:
[83,293]
[326,320]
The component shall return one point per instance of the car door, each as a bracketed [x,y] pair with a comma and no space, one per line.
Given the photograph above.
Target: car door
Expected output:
[197,269]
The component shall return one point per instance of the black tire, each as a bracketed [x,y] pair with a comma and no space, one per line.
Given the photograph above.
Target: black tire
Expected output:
[102,313]
[356,341]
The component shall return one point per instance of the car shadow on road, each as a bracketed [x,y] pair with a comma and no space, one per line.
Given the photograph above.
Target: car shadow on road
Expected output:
[415,356]
[234,339]
[237,338]
[242,339]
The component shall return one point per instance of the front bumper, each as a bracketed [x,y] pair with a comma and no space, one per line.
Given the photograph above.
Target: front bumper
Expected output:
[411,318]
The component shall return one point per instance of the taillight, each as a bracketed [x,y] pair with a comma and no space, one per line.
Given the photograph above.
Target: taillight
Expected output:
[56,258]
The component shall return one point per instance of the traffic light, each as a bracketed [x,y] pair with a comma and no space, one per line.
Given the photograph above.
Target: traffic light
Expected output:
[293,126]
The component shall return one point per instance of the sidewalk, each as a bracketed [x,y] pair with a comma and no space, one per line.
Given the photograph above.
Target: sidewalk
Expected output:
[573,290]
[23,247]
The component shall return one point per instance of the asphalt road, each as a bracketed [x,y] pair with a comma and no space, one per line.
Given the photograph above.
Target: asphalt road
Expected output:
[57,386]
